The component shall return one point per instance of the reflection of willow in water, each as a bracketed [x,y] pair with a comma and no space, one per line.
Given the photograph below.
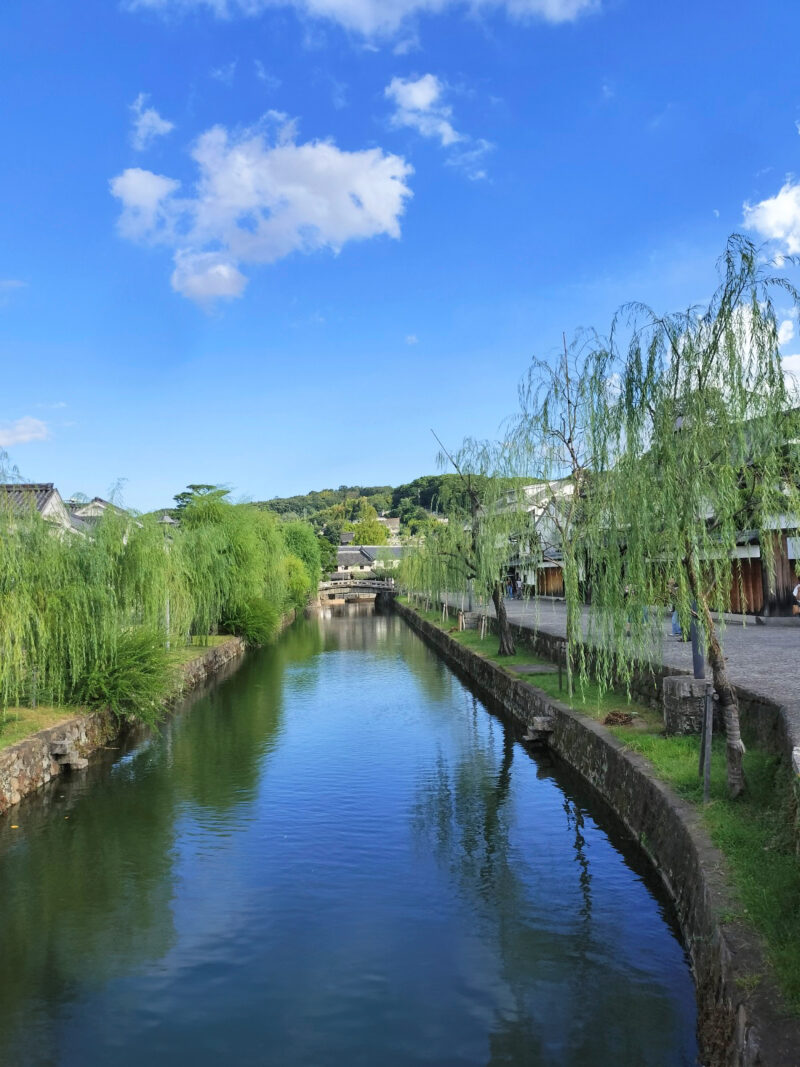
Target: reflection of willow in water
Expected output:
[69,909]
[366,628]
[217,750]
[562,995]
[463,814]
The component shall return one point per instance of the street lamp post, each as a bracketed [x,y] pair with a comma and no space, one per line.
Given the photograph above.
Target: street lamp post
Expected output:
[166,521]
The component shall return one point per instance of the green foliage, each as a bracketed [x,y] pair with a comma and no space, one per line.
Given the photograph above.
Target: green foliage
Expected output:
[132,679]
[434,492]
[331,509]
[257,621]
[309,504]
[198,492]
[470,551]
[368,532]
[67,602]
[327,554]
[298,582]
[301,541]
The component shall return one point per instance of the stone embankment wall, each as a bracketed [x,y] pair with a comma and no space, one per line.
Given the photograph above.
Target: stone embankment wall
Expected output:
[765,724]
[31,763]
[740,1020]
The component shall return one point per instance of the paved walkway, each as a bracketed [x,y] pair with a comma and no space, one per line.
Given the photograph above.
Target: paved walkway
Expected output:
[762,659]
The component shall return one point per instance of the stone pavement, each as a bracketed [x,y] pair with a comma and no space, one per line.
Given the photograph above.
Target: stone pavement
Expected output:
[765,660]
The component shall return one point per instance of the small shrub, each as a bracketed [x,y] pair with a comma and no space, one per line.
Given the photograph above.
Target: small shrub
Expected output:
[133,681]
[257,621]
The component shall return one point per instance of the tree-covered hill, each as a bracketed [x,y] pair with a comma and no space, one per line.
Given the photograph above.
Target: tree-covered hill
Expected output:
[412,502]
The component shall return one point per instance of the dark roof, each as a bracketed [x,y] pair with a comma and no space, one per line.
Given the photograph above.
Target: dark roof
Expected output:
[346,537]
[359,555]
[353,557]
[21,497]
[82,525]
[379,552]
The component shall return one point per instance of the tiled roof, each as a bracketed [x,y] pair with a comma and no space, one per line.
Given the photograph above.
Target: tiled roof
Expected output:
[21,497]
[353,557]
[378,552]
[361,555]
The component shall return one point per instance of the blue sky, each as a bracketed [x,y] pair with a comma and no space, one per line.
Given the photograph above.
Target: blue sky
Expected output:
[273,242]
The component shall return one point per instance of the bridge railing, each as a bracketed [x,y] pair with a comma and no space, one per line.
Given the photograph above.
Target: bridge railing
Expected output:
[357,583]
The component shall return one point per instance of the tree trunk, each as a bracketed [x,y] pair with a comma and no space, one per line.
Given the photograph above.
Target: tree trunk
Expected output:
[734,747]
[503,628]
[568,646]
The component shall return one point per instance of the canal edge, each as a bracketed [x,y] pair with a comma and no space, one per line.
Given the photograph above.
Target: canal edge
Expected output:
[34,761]
[737,1024]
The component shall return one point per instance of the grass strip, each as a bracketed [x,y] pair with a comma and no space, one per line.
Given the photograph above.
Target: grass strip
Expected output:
[18,723]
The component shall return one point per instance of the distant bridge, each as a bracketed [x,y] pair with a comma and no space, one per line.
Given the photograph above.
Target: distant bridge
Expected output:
[354,589]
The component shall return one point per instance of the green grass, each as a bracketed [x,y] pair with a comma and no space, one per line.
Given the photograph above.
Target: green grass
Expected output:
[186,653]
[754,833]
[19,722]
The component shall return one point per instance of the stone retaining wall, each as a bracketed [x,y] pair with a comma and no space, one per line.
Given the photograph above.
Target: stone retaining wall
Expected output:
[740,1018]
[30,764]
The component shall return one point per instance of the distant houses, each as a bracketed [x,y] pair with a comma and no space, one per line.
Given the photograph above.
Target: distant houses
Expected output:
[759,586]
[361,561]
[392,528]
[70,516]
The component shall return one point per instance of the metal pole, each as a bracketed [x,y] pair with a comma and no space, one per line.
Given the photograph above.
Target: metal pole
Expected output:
[698,656]
[708,729]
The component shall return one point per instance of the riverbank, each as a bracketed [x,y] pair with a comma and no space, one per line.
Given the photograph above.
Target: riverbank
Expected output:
[742,1014]
[69,738]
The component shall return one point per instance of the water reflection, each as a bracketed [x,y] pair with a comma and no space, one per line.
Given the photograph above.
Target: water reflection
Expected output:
[334,857]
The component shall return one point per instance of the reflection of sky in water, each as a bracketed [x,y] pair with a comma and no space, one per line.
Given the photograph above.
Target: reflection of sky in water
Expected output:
[358,866]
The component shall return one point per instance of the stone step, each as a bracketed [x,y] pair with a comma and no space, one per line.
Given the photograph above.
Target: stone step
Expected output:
[539,728]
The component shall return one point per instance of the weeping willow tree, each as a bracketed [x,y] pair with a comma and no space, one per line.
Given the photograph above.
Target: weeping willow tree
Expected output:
[75,609]
[58,611]
[552,446]
[470,552]
[696,443]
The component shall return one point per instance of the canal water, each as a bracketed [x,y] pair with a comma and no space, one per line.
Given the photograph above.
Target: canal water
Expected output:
[335,857]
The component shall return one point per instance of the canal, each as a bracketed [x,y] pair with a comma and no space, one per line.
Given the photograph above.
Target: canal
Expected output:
[334,857]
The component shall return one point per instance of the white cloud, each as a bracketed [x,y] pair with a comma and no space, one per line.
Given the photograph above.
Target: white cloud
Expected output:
[785,332]
[470,158]
[406,45]
[146,206]
[206,276]
[778,217]
[147,124]
[412,339]
[791,371]
[21,431]
[263,75]
[259,196]
[379,17]
[419,105]
[225,73]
